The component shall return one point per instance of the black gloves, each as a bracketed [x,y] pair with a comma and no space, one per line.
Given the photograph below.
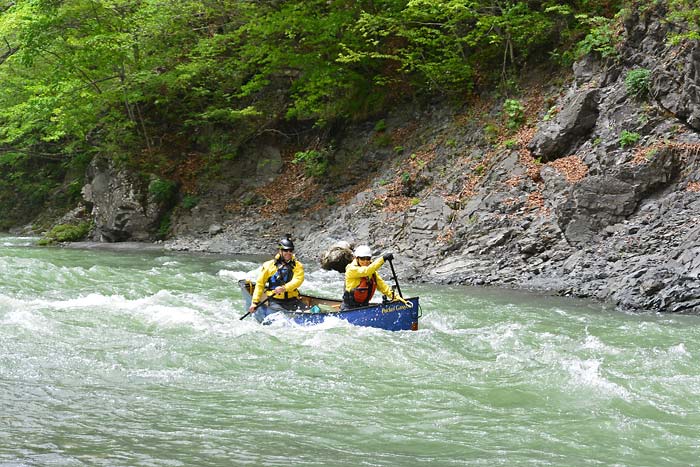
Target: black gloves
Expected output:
[388,256]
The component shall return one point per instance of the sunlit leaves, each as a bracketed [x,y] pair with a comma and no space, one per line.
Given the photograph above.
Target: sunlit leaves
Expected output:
[229,115]
[108,73]
[687,13]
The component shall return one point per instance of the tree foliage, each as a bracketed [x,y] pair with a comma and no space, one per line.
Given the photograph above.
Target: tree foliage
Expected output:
[148,82]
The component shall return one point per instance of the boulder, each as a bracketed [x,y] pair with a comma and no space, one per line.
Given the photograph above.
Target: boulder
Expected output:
[561,137]
[122,206]
[337,257]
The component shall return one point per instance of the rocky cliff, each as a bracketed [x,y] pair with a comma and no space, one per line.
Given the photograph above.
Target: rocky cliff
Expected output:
[596,193]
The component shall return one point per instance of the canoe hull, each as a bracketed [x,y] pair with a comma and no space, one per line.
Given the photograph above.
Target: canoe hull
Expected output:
[391,316]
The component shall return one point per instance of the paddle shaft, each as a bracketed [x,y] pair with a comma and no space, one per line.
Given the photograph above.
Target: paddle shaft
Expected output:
[396,280]
[256,307]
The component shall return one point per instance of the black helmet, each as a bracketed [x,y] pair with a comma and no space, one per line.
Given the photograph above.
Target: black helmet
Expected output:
[286,244]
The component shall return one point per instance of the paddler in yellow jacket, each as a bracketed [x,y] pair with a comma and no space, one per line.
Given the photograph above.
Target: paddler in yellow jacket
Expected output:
[362,279]
[280,278]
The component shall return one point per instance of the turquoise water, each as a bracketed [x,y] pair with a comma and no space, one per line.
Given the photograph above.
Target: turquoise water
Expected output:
[140,359]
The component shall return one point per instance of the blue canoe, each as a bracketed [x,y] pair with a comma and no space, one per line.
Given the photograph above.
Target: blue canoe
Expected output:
[392,316]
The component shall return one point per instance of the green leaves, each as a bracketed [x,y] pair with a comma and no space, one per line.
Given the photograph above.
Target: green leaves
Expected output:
[218,63]
[628,138]
[514,113]
[637,82]
[315,162]
[687,13]
[125,77]
[66,233]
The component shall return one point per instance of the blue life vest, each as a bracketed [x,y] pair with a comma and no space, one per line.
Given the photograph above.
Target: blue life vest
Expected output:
[284,274]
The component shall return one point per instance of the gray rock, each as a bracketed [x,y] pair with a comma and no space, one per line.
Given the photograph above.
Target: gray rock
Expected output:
[122,206]
[215,229]
[593,204]
[337,257]
[567,131]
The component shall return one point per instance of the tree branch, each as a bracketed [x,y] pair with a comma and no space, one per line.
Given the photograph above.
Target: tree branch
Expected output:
[10,51]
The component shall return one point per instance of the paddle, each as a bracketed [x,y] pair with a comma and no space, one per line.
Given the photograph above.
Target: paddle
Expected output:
[256,307]
[414,323]
[396,280]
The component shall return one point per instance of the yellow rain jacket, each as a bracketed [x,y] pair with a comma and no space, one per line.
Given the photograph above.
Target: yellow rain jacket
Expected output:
[354,273]
[291,281]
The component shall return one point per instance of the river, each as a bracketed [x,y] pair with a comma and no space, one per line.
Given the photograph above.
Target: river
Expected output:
[140,359]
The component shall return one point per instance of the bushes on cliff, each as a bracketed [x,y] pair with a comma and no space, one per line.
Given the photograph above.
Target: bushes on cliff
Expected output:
[26,184]
[687,13]
[637,82]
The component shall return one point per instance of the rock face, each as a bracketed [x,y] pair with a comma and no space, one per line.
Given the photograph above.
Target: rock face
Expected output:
[675,79]
[122,207]
[594,203]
